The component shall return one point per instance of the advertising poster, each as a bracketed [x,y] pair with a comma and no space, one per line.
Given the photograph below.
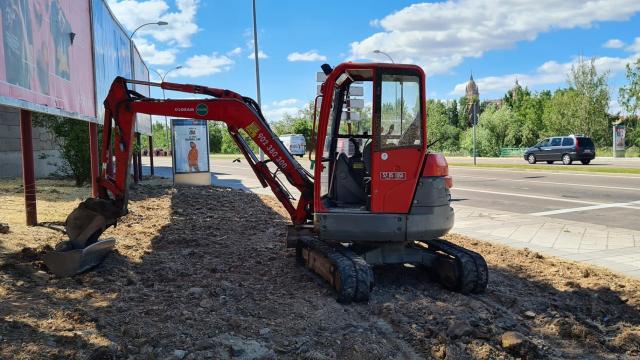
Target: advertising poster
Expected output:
[190,146]
[45,57]
[141,72]
[112,51]
[618,137]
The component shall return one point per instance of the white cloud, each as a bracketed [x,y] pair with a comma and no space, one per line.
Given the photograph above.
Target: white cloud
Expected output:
[635,47]
[261,55]
[551,72]
[613,44]
[441,35]
[133,13]
[235,52]
[203,65]
[276,110]
[311,55]
[153,56]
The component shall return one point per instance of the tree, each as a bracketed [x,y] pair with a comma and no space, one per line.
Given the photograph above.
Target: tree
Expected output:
[440,130]
[593,101]
[630,94]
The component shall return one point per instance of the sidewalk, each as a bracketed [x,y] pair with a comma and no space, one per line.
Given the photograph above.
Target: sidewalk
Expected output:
[613,248]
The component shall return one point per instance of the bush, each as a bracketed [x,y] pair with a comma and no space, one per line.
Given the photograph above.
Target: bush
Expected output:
[72,137]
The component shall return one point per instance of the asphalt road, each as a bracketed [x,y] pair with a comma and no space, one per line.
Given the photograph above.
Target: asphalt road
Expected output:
[603,199]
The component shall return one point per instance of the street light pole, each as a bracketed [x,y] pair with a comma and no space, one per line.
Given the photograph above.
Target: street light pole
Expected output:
[138,173]
[164,97]
[255,54]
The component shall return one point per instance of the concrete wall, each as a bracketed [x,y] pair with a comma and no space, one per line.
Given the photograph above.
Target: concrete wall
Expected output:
[45,152]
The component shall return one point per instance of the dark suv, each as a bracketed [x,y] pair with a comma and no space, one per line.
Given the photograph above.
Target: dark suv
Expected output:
[562,148]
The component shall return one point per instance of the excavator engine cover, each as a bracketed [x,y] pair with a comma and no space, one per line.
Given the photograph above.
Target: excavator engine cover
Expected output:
[83,250]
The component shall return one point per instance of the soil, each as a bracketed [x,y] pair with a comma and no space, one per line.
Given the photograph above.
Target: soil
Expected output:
[202,273]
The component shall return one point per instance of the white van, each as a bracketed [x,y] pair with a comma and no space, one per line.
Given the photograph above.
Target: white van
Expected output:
[295,143]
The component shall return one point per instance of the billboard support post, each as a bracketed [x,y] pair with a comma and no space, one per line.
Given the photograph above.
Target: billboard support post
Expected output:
[93,155]
[151,154]
[134,163]
[28,176]
[139,153]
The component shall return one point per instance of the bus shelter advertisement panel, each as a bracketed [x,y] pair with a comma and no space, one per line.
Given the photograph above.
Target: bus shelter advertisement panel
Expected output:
[45,56]
[111,49]
[191,146]
[140,71]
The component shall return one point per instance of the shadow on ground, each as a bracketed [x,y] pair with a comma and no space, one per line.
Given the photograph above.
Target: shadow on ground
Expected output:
[203,273]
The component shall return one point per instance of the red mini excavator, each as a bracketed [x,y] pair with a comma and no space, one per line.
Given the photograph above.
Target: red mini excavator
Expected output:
[377,195]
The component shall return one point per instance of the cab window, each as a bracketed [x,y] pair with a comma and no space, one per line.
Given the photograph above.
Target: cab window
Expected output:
[567,142]
[556,141]
[400,111]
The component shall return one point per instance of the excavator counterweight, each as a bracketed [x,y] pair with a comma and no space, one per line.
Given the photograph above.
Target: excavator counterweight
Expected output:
[377,195]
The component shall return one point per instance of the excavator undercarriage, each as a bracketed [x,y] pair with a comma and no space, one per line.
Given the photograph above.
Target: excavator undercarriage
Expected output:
[386,202]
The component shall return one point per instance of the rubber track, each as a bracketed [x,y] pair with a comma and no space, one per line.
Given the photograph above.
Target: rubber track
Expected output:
[344,269]
[468,272]
[364,275]
[482,278]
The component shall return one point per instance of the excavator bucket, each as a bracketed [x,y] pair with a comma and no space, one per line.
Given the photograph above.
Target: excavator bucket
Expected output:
[83,250]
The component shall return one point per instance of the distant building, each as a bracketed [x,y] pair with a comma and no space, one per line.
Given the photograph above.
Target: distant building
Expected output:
[473,99]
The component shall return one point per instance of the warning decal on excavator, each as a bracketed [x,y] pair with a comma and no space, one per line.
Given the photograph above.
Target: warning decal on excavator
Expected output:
[393,175]
[252,129]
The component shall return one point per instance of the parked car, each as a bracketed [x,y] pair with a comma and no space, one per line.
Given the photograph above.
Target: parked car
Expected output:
[562,148]
[296,143]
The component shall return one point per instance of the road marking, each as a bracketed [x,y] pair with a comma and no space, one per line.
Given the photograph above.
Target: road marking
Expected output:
[594,205]
[550,171]
[587,208]
[549,182]
[528,196]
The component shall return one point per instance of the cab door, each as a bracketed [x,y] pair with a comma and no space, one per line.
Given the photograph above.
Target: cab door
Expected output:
[399,139]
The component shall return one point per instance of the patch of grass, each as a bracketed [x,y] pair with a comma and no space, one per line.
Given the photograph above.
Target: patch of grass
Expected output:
[573,168]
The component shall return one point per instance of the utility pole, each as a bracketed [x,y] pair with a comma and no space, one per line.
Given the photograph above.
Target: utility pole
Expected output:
[255,54]
[474,118]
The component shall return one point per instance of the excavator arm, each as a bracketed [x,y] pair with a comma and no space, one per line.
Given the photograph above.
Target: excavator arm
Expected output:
[241,114]
[237,112]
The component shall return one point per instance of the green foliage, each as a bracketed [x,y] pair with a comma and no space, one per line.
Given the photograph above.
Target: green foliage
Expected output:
[591,112]
[630,94]
[441,128]
[72,137]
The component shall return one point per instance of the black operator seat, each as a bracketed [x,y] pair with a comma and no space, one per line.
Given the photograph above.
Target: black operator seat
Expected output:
[346,189]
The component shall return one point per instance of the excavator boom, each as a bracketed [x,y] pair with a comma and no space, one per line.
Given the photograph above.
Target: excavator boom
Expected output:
[241,115]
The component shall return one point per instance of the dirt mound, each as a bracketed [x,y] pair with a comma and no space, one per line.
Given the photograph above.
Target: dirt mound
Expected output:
[203,273]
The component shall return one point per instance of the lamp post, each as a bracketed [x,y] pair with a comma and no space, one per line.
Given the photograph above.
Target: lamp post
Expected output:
[385,54]
[162,76]
[160,23]
[255,55]
[137,174]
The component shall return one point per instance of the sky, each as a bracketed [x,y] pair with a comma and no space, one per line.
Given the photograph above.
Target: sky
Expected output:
[499,41]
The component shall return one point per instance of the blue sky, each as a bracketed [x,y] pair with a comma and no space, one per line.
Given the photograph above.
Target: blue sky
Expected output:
[535,42]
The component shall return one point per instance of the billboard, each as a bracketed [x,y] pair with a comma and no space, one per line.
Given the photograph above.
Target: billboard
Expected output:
[46,58]
[191,146]
[141,72]
[618,137]
[112,51]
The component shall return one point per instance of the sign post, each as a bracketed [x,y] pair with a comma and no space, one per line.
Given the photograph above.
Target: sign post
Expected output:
[190,139]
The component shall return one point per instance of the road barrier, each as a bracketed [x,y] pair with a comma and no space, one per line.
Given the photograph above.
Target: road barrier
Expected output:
[512,152]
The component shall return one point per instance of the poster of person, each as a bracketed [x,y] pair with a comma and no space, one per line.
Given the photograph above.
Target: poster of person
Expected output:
[46,56]
[619,134]
[190,146]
